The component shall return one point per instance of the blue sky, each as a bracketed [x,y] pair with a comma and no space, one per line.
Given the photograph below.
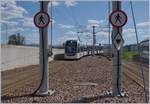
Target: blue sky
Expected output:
[70,16]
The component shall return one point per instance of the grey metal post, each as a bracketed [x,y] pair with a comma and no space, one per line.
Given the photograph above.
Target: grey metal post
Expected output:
[109,33]
[94,39]
[117,69]
[44,87]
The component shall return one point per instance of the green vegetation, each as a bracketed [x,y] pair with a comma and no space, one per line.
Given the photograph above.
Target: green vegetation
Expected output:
[16,39]
[130,55]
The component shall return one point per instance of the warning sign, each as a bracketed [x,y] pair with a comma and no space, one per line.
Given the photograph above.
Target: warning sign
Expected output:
[118,18]
[118,41]
[41,19]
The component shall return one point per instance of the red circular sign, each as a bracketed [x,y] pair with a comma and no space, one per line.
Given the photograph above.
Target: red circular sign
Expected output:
[118,18]
[41,19]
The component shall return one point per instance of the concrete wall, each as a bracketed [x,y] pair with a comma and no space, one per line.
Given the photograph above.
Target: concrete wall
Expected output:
[19,56]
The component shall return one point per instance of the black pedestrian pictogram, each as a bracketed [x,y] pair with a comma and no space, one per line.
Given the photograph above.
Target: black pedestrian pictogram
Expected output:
[41,20]
[118,18]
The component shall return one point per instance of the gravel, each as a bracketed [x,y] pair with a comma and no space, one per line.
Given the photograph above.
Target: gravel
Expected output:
[67,78]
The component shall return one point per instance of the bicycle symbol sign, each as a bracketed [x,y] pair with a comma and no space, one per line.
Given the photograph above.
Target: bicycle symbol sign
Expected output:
[41,19]
[118,18]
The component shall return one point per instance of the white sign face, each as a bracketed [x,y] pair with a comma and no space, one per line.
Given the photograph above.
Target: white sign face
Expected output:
[118,18]
[41,19]
[118,41]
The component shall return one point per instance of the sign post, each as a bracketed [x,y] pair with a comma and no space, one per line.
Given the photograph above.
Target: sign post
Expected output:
[41,20]
[117,18]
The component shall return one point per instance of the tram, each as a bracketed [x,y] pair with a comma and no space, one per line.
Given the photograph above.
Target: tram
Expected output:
[75,50]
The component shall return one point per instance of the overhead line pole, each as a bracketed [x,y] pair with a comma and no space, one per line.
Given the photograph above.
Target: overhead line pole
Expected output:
[109,33]
[51,28]
[94,39]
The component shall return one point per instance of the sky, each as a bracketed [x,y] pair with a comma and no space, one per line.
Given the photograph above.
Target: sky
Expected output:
[70,17]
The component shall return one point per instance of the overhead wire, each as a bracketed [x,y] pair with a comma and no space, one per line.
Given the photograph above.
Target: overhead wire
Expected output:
[57,11]
[72,11]
[70,15]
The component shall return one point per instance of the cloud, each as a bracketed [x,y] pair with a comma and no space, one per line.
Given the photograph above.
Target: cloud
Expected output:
[143,24]
[54,3]
[66,26]
[70,32]
[32,38]
[28,22]
[9,23]
[13,31]
[95,22]
[12,14]
[129,32]
[69,3]
[102,34]
[10,10]
[53,21]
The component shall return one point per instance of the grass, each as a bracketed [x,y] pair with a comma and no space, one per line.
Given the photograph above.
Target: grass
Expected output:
[129,55]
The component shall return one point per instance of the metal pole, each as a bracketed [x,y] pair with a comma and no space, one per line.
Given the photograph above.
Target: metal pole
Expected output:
[117,69]
[51,26]
[109,50]
[44,86]
[139,51]
[94,40]
[6,34]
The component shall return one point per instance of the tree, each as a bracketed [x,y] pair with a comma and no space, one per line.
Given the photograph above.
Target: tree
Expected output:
[16,39]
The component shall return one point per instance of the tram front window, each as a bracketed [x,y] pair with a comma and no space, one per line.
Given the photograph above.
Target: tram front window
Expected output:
[71,47]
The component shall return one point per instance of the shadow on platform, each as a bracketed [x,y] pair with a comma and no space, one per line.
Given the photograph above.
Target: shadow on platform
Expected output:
[59,57]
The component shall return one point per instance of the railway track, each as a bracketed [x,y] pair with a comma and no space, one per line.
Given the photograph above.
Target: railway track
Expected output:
[14,81]
[18,79]
[133,72]
[11,81]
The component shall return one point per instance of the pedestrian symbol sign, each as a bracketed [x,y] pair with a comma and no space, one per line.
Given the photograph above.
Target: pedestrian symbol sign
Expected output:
[118,18]
[41,19]
[118,41]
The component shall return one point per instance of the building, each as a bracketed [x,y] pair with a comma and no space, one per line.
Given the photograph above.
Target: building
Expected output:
[131,47]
